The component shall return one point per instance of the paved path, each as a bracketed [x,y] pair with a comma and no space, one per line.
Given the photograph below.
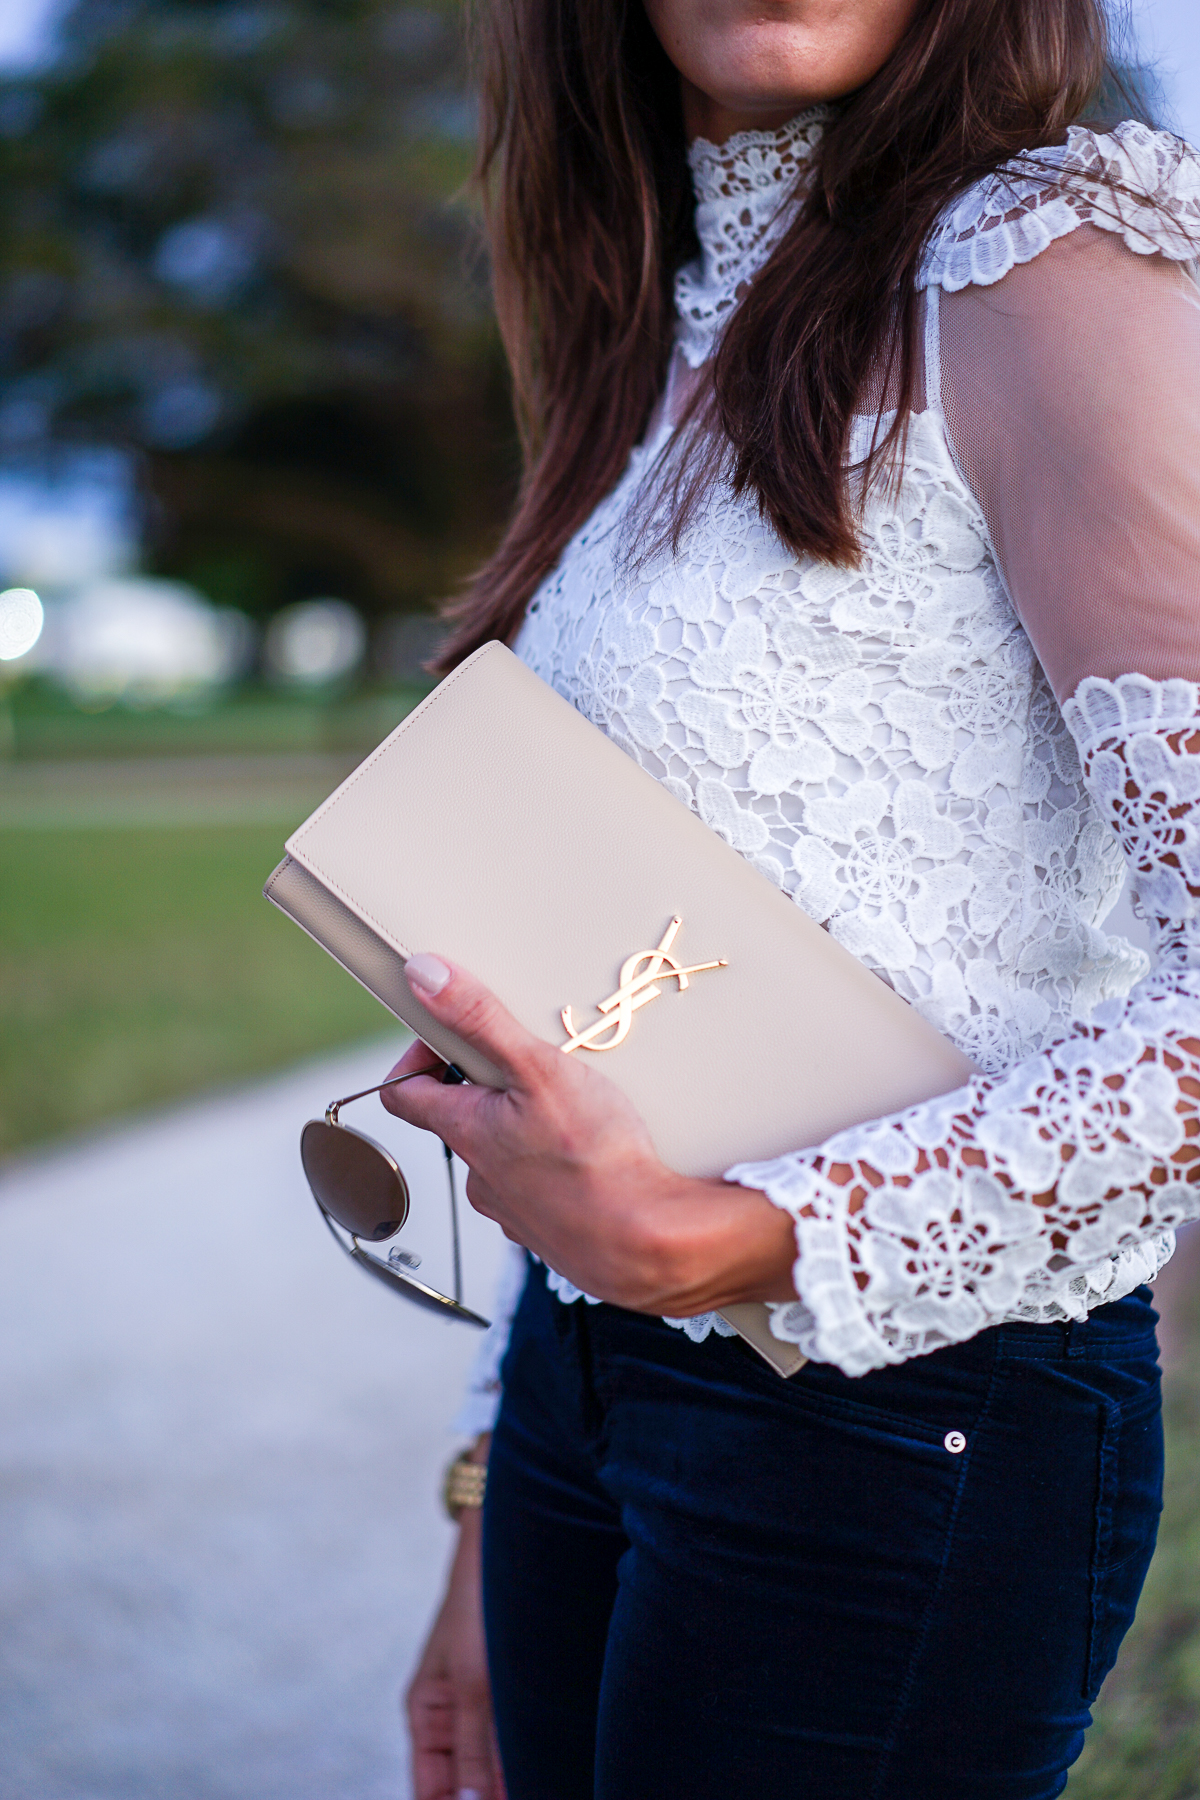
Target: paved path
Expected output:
[219,1449]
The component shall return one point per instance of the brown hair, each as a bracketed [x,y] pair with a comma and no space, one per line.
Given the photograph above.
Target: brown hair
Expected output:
[588,202]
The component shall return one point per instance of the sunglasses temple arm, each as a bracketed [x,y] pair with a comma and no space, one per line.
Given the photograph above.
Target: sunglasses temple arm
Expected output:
[454,1223]
[335,1106]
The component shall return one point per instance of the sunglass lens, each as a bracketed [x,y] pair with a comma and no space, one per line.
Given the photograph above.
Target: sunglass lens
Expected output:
[356,1181]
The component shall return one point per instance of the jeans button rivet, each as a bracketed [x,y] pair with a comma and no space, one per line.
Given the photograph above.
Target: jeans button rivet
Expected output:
[955,1442]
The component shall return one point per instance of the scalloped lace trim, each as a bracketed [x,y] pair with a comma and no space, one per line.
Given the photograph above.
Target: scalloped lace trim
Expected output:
[748,190]
[1019,211]
[1055,1186]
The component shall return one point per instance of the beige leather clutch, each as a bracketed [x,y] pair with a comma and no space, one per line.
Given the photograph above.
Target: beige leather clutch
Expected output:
[500,827]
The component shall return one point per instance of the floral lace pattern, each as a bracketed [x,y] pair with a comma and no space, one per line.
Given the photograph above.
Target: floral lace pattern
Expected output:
[746,197]
[881,742]
[1143,766]
[878,741]
[1018,212]
[1001,1199]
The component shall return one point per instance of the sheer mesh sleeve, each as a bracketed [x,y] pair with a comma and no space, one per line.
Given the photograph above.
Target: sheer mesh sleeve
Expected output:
[1072,390]
[1072,395]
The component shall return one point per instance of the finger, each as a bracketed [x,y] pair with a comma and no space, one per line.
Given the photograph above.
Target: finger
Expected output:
[427,1103]
[474,1771]
[429,1704]
[430,1707]
[470,1009]
[418,1059]
[481,1196]
[433,1775]
[485,1200]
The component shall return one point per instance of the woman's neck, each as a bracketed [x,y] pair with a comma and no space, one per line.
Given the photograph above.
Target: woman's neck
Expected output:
[704,117]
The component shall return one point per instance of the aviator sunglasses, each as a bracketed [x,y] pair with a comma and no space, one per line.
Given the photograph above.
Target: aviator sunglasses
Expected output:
[363,1197]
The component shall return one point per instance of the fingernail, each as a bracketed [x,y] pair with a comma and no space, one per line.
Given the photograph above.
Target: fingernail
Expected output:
[469,1794]
[430,974]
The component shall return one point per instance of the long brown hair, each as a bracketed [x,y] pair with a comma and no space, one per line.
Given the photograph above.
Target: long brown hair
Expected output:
[583,170]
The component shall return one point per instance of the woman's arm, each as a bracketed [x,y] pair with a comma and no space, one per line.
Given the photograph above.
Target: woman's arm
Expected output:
[448,1701]
[1072,394]
[914,1231]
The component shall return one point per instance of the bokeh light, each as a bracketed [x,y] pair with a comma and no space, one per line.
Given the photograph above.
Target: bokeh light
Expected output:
[315,642]
[21,620]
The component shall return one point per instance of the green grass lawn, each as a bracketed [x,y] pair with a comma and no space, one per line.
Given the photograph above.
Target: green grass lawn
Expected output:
[37,722]
[139,965]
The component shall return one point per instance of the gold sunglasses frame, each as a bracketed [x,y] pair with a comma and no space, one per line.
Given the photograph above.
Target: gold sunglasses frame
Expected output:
[376,1266]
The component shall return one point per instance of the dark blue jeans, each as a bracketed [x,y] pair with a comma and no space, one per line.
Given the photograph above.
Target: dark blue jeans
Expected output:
[704,1583]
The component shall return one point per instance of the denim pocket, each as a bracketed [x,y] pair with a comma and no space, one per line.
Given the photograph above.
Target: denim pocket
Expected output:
[1128,1504]
[923,1429]
[937,1401]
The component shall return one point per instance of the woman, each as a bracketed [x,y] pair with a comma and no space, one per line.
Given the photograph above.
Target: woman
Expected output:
[862,507]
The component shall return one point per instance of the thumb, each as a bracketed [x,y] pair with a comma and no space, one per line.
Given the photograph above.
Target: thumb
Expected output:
[472,1011]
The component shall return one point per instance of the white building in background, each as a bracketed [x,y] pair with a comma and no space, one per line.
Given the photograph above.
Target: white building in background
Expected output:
[142,641]
[68,549]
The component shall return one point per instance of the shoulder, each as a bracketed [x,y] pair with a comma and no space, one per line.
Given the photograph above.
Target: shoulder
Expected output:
[1141,184]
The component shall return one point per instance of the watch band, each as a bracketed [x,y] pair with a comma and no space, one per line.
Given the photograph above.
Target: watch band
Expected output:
[463,1485]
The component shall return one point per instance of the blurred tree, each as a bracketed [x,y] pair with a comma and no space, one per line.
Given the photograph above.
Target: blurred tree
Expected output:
[232,239]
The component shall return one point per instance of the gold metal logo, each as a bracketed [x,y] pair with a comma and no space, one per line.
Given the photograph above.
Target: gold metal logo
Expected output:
[637,988]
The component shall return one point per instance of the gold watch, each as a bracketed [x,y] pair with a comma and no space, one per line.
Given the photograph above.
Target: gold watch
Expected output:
[463,1485]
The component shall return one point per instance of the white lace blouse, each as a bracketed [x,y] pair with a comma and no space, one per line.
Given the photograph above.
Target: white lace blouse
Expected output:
[885,743]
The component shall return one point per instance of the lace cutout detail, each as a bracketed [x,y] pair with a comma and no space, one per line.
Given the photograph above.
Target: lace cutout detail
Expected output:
[751,163]
[1015,214]
[1001,1199]
[1142,761]
[746,197]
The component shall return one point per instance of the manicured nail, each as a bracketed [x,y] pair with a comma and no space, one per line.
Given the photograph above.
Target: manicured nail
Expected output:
[430,975]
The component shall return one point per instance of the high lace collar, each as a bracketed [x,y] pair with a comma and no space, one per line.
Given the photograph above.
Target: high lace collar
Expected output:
[745,200]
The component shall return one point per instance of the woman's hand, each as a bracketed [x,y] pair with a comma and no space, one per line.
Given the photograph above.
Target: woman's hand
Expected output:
[449,1701]
[562,1160]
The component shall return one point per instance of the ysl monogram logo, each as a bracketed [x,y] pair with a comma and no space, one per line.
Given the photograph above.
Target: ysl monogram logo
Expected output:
[639,985]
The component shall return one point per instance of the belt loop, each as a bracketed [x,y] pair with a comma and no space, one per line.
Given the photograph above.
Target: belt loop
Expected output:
[1074,1343]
